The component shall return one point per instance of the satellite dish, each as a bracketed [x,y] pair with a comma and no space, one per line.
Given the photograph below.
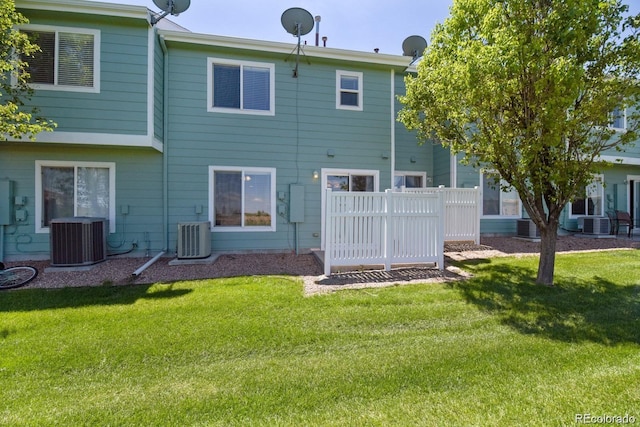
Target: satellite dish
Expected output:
[414,46]
[297,21]
[170,7]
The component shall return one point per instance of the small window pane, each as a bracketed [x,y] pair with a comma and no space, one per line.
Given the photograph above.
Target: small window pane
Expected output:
[256,88]
[257,200]
[578,207]
[227,195]
[490,195]
[41,63]
[75,60]
[361,183]
[338,182]
[413,181]
[348,98]
[93,192]
[57,193]
[510,203]
[226,86]
[349,83]
[594,198]
[617,119]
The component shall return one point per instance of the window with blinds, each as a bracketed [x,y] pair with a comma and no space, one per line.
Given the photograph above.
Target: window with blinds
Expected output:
[241,87]
[67,59]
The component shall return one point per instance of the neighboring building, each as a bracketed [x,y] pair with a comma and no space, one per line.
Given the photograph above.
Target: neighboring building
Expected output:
[159,126]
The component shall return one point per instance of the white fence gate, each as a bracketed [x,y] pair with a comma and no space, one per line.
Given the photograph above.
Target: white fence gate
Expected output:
[364,228]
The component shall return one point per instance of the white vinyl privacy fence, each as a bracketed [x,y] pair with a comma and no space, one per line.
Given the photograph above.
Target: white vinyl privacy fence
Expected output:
[365,228]
[461,212]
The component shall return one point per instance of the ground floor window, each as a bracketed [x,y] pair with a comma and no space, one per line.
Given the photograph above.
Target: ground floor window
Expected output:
[68,189]
[591,203]
[409,179]
[496,201]
[346,180]
[242,199]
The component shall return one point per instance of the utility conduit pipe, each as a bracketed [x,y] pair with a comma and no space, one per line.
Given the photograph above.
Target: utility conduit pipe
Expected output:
[147,264]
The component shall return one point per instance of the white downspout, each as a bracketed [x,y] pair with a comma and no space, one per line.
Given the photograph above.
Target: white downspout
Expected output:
[393,127]
[165,145]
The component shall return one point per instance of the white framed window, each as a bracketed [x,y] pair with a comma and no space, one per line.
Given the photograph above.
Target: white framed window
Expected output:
[345,180]
[69,59]
[618,119]
[592,201]
[67,189]
[349,89]
[240,87]
[242,199]
[409,179]
[496,202]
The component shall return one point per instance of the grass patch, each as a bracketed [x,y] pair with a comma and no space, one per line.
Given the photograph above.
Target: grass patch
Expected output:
[495,350]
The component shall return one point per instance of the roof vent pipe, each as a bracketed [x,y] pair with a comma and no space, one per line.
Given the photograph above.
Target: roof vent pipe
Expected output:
[318,18]
[324,41]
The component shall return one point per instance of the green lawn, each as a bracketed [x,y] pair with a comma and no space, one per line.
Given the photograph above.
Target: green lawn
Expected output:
[494,350]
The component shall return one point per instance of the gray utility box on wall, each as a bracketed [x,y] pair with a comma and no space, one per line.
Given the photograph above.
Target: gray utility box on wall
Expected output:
[296,203]
[6,202]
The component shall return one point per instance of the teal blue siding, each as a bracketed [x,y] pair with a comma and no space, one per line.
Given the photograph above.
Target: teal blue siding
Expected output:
[498,226]
[441,166]
[467,176]
[294,141]
[410,155]
[138,185]
[121,105]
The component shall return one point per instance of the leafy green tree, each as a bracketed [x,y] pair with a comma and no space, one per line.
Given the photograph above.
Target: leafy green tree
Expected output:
[527,88]
[15,120]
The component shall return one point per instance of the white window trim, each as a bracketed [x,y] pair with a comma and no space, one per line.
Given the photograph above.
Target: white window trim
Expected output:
[272,87]
[96,58]
[598,177]
[244,170]
[411,173]
[323,189]
[518,215]
[359,76]
[57,163]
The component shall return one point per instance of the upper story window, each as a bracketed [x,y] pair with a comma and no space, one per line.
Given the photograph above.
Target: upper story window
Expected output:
[69,58]
[618,119]
[497,202]
[591,203]
[349,90]
[240,87]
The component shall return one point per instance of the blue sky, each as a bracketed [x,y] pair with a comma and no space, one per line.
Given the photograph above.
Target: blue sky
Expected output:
[348,24]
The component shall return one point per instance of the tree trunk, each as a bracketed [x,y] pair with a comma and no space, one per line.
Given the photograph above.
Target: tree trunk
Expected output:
[546,266]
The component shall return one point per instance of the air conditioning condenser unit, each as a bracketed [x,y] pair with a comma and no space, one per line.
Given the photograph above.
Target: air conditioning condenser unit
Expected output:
[78,241]
[526,228]
[194,240]
[595,225]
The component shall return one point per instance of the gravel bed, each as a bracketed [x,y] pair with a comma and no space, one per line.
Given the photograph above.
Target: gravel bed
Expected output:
[119,270]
